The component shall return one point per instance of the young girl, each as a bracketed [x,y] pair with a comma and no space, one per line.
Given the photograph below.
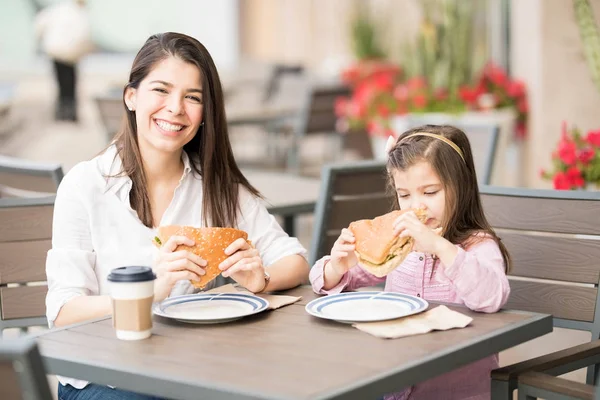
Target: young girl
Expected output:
[171,164]
[431,167]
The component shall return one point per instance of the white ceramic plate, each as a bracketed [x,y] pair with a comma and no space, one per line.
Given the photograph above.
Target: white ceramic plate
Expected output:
[351,307]
[208,308]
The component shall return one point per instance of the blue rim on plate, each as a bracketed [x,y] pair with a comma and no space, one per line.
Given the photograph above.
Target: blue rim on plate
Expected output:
[249,304]
[401,305]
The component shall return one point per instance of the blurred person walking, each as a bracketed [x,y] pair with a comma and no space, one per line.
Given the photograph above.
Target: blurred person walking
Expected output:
[64,30]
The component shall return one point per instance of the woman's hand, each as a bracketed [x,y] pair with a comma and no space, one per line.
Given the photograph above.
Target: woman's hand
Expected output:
[244,266]
[426,239]
[342,253]
[171,266]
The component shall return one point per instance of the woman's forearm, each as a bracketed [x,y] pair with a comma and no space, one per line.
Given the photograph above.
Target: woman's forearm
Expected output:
[82,308]
[288,272]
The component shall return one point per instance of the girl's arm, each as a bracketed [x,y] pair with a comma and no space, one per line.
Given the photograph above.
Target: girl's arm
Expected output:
[355,278]
[478,275]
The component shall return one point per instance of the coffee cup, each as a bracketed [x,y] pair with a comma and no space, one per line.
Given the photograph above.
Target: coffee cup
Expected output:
[132,293]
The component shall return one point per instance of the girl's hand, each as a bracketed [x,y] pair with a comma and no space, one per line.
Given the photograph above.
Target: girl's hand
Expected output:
[342,253]
[171,266]
[244,266]
[426,239]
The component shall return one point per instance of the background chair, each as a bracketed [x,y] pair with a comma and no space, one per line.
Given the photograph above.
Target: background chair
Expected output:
[317,117]
[110,107]
[552,237]
[25,238]
[24,178]
[349,192]
[22,373]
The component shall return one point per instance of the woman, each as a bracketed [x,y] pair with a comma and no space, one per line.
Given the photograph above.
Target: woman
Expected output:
[171,164]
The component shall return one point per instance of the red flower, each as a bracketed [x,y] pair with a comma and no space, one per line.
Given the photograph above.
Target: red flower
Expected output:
[561,182]
[441,94]
[383,111]
[593,138]
[586,156]
[420,100]
[520,130]
[384,80]
[567,152]
[575,178]
[523,106]
[416,83]
[467,94]
[515,88]
[496,74]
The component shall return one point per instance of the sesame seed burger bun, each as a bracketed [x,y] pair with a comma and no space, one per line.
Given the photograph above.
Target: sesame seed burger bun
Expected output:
[210,246]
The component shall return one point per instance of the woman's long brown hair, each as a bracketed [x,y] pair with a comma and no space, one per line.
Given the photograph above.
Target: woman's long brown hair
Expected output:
[464,211]
[209,151]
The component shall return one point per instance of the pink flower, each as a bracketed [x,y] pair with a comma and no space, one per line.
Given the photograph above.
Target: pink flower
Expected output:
[341,106]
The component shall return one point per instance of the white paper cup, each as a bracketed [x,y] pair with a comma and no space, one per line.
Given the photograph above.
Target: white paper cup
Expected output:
[132,293]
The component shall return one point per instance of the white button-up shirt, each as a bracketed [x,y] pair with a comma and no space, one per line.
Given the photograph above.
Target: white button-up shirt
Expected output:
[95,230]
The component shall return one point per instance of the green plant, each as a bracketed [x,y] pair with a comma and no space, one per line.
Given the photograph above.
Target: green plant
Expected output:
[590,37]
[443,51]
[366,43]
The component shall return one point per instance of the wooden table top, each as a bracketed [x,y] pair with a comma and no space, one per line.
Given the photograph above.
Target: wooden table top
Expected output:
[280,354]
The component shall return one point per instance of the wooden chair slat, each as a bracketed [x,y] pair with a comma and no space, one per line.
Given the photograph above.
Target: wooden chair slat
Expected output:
[554,258]
[23,301]
[22,262]
[562,301]
[542,214]
[26,223]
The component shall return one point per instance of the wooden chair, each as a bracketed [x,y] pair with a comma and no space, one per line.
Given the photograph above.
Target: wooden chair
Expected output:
[25,238]
[317,116]
[111,112]
[22,373]
[552,237]
[25,178]
[349,192]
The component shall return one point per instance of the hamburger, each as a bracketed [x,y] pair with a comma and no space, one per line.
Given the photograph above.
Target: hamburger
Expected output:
[378,249]
[210,246]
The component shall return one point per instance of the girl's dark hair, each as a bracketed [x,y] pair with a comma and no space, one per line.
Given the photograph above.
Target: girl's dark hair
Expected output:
[464,212]
[209,151]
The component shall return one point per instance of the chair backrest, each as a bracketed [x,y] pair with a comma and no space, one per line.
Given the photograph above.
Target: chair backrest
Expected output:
[25,238]
[111,112]
[22,372]
[25,178]
[279,71]
[553,238]
[318,112]
[349,192]
[483,139]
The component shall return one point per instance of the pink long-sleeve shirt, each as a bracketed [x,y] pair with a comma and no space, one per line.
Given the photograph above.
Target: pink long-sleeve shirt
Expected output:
[475,279]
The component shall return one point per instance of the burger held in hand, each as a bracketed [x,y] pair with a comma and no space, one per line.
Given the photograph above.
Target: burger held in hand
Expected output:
[378,249]
[210,245]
